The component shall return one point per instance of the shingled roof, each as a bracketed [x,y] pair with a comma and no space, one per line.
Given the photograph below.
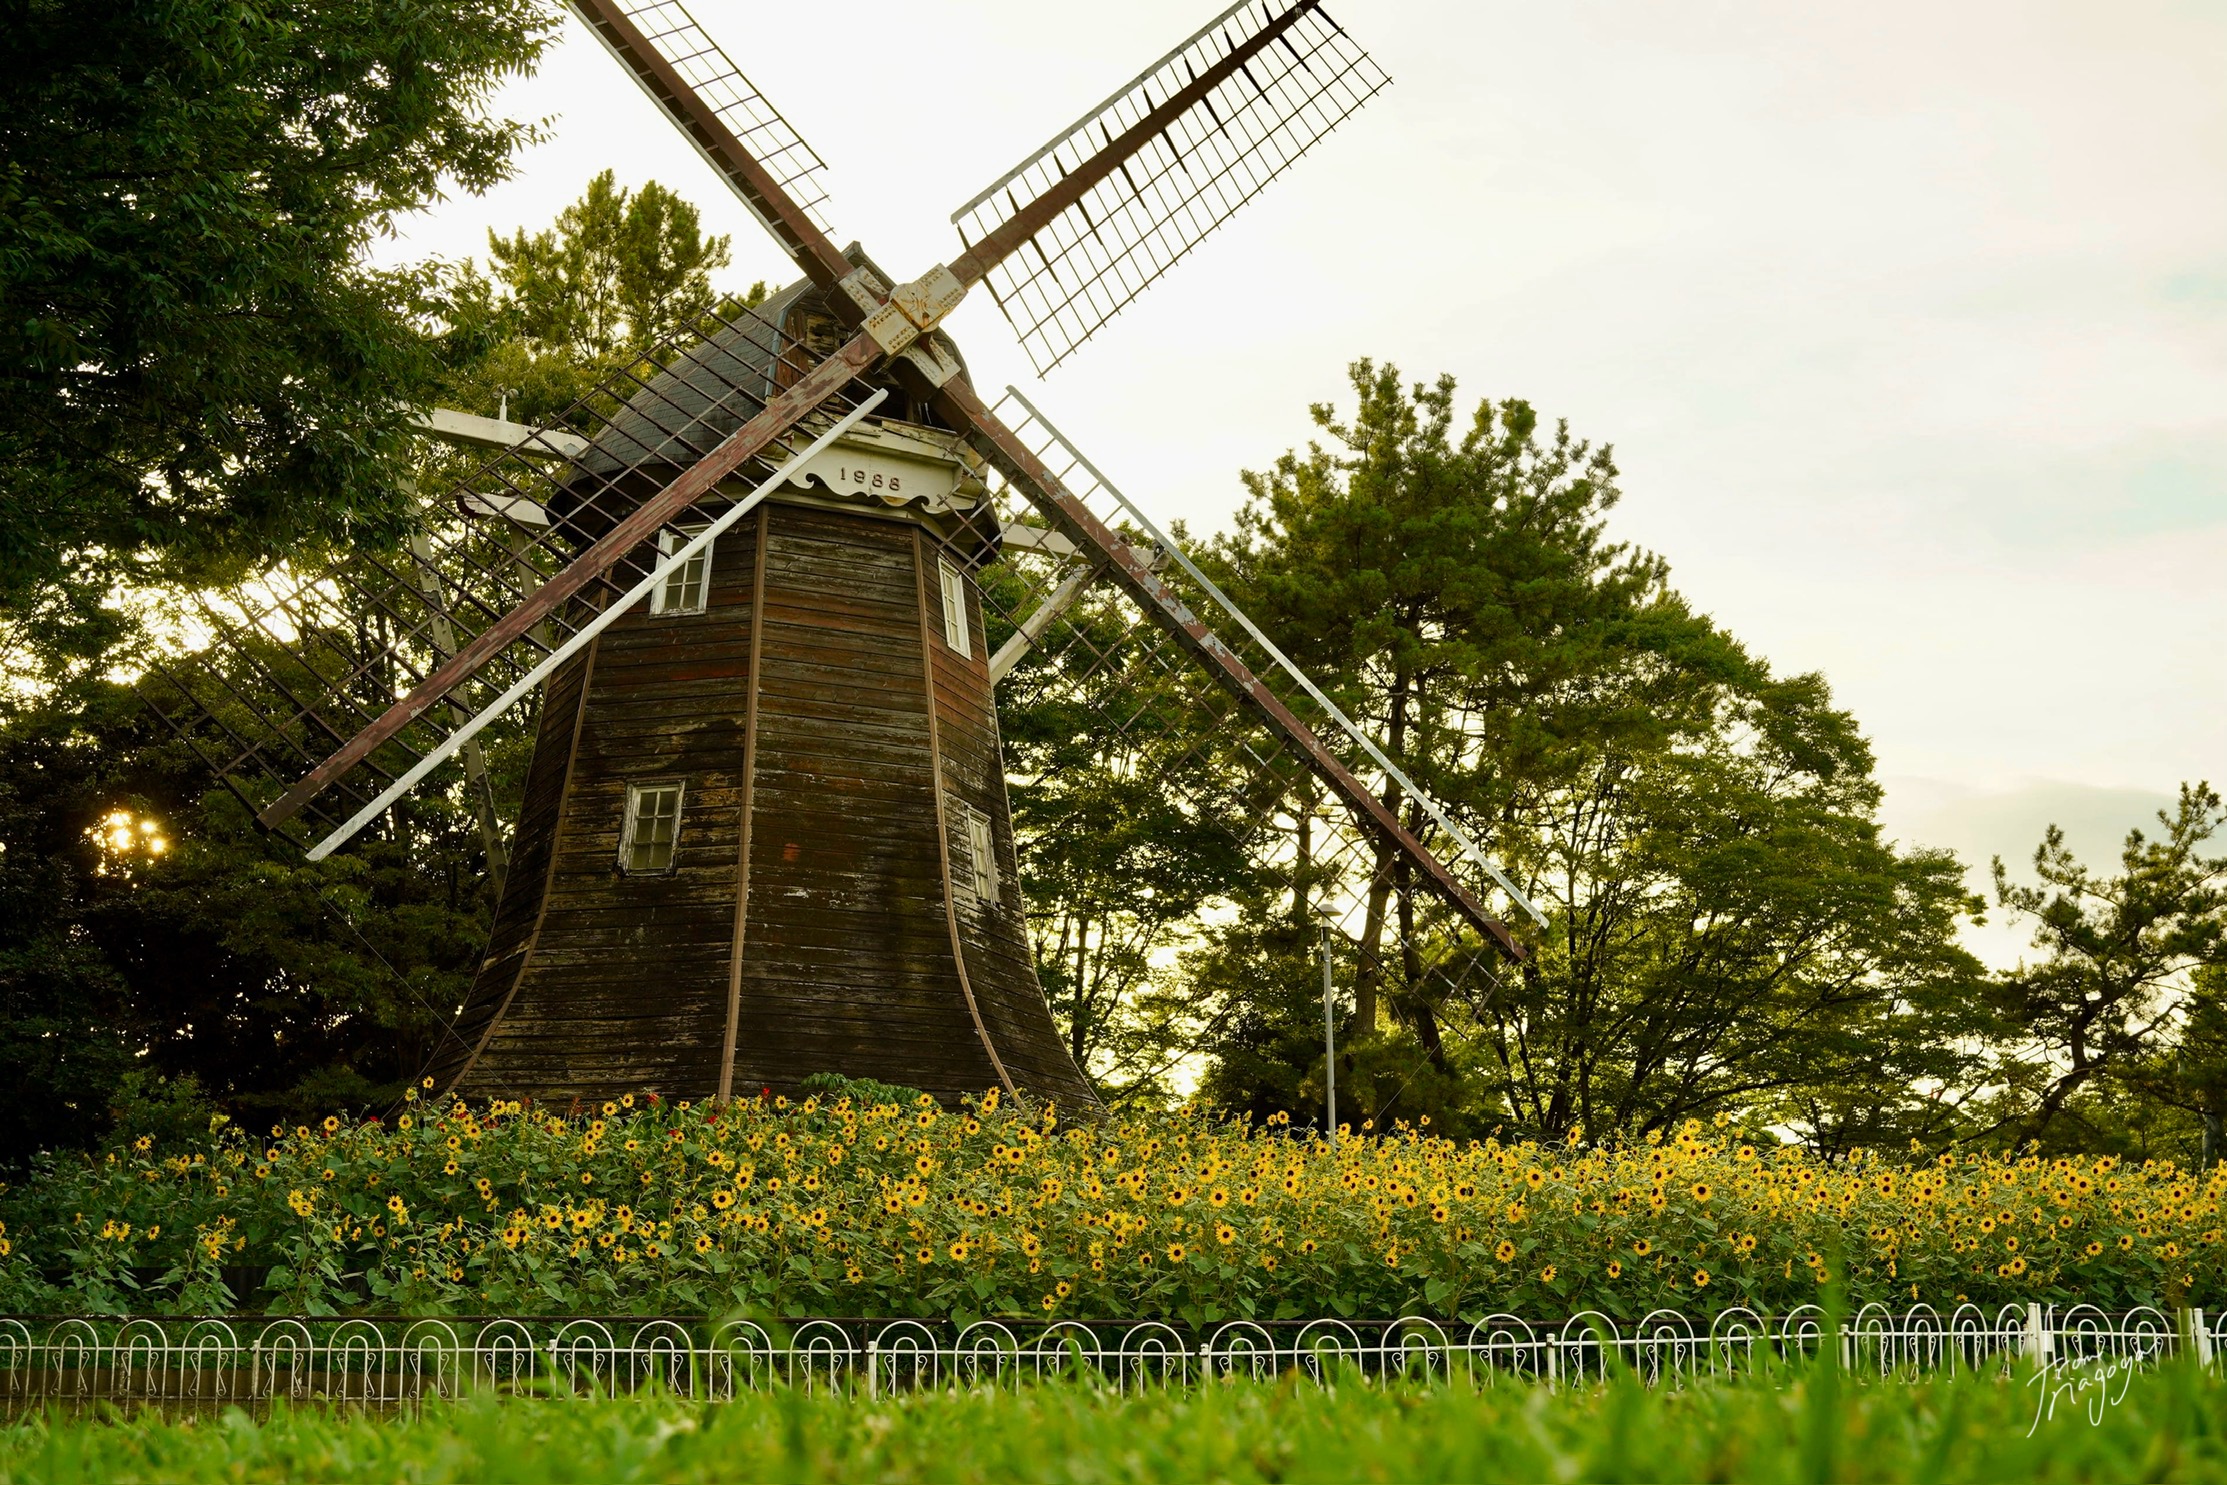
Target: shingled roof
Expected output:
[711,390]
[715,387]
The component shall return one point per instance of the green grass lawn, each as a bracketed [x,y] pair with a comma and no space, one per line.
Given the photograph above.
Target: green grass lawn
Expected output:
[2168,1425]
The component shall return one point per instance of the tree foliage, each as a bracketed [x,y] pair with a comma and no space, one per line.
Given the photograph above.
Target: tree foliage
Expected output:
[1129,828]
[279,987]
[1726,929]
[619,269]
[558,309]
[201,368]
[2127,988]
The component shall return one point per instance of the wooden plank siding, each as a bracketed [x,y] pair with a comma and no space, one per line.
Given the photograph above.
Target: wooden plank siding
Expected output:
[1001,966]
[807,923]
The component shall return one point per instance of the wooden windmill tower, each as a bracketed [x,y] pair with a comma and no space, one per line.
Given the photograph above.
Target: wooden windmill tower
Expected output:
[765,831]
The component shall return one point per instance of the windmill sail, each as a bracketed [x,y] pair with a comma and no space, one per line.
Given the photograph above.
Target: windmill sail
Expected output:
[1082,226]
[722,113]
[287,673]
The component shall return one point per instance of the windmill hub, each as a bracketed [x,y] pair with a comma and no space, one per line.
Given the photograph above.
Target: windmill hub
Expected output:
[911,311]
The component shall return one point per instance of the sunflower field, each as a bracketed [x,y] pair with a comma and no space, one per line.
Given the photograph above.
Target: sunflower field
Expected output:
[871,1206]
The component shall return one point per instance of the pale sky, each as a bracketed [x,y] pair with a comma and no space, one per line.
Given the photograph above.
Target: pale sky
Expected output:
[1908,322]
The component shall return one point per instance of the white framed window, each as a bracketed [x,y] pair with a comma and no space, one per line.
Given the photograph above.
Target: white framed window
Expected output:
[954,607]
[651,834]
[687,586]
[976,869]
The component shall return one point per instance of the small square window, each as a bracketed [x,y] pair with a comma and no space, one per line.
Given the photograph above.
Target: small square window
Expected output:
[686,586]
[954,606]
[651,834]
[975,872]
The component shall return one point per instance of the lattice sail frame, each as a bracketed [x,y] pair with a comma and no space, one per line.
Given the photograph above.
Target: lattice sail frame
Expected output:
[1182,182]
[266,679]
[1081,640]
[705,68]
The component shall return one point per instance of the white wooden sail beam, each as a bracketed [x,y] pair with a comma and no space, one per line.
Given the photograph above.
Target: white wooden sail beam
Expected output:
[581,637]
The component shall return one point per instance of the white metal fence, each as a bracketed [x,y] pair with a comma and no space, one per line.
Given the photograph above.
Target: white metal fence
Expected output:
[188,1363]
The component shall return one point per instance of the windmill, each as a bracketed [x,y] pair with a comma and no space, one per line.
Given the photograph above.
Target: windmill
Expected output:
[766,583]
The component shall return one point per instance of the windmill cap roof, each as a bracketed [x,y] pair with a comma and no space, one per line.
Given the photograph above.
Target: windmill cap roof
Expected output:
[706,392]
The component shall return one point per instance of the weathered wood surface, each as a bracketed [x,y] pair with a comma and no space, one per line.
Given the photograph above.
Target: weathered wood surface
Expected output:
[1002,970]
[598,982]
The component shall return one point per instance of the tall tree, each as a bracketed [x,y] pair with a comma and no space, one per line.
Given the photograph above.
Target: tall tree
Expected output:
[2117,985]
[200,368]
[2184,1079]
[1730,933]
[1727,930]
[1456,586]
[618,269]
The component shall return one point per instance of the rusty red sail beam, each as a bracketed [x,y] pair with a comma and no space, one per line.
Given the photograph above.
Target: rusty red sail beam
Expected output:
[780,414]
[797,233]
[1018,463]
[979,258]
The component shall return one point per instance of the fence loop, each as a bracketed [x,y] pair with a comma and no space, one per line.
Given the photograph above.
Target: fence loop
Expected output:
[203,1362]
